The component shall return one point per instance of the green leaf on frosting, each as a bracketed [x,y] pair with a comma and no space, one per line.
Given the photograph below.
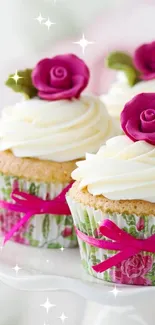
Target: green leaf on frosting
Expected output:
[24,84]
[123,62]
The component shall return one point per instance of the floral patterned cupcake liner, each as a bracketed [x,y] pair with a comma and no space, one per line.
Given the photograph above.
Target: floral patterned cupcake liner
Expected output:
[136,270]
[45,230]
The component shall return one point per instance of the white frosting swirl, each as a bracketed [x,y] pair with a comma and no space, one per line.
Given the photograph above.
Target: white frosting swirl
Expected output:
[121,170]
[55,130]
[120,93]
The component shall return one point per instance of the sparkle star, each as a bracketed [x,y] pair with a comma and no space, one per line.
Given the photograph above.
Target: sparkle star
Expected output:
[40,18]
[62,249]
[115,292]
[48,23]
[83,42]
[63,317]
[16,77]
[16,268]
[47,305]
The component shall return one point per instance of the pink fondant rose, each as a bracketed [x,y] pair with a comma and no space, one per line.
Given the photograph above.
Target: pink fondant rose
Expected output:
[133,270]
[138,118]
[61,77]
[144,60]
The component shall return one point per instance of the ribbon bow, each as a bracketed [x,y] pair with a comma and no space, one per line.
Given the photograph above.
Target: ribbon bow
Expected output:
[121,241]
[31,205]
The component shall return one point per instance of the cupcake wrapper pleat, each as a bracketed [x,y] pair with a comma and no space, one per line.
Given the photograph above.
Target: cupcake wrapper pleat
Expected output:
[46,230]
[137,270]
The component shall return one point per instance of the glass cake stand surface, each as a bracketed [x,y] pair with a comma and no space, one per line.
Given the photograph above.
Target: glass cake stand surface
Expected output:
[41,270]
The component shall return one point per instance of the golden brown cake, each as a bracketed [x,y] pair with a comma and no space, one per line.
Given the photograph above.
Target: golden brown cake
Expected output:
[35,169]
[139,207]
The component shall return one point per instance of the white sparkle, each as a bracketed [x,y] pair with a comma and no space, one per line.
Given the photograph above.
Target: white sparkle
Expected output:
[63,317]
[16,268]
[62,249]
[115,292]
[47,305]
[48,23]
[83,42]
[40,18]
[16,77]
[47,261]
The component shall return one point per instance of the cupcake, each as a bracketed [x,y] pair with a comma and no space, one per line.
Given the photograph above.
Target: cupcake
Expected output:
[135,75]
[41,138]
[113,200]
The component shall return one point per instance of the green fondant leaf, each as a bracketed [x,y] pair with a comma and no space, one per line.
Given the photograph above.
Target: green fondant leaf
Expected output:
[117,58]
[123,62]
[46,226]
[24,84]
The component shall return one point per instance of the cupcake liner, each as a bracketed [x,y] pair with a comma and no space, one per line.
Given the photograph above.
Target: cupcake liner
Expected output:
[45,230]
[137,270]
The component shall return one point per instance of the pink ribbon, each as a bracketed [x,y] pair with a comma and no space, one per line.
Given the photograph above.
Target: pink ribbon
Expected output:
[121,241]
[31,205]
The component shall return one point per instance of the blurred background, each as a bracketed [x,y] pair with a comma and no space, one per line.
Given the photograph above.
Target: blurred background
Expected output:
[109,24]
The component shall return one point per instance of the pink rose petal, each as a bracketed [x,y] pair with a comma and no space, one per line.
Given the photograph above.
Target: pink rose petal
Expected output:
[61,77]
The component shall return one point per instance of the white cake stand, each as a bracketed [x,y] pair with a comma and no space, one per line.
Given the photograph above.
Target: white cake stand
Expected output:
[56,270]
